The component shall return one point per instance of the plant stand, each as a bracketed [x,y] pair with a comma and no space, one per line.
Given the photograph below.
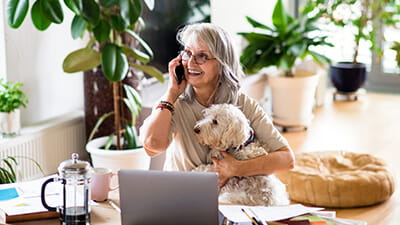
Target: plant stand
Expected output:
[287,128]
[348,96]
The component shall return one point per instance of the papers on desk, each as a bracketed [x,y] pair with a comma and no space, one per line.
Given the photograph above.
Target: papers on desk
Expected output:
[234,212]
[22,200]
[282,215]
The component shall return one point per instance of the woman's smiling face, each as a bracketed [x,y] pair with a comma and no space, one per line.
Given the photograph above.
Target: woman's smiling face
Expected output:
[206,74]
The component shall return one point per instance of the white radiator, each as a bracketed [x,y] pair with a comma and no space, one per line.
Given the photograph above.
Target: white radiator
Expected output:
[49,143]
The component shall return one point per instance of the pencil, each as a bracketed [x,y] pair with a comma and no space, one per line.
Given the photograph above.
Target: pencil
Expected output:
[257,218]
[253,221]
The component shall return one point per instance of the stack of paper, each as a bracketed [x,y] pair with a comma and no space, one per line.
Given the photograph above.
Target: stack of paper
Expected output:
[295,214]
[21,201]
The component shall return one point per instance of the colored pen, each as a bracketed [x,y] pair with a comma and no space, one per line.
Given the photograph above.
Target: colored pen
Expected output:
[252,219]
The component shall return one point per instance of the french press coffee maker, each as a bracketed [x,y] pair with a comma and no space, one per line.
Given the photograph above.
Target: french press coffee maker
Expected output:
[74,175]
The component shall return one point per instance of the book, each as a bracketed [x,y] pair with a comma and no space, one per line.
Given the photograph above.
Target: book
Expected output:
[21,201]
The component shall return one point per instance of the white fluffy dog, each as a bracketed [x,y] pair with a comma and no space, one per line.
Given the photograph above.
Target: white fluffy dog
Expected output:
[225,128]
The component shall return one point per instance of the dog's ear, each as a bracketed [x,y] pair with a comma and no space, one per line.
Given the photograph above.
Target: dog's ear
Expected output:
[235,133]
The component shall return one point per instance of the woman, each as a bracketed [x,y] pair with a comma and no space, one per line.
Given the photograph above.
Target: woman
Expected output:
[212,72]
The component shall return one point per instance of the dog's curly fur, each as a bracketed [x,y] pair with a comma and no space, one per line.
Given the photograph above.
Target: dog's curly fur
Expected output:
[223,127]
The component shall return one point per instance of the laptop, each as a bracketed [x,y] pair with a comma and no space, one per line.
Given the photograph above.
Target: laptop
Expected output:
[168,197]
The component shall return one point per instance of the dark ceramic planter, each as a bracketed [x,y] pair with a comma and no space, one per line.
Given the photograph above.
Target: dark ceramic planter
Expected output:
[348,77]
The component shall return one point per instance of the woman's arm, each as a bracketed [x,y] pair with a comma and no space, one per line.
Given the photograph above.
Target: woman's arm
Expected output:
[155,131]
[277,161]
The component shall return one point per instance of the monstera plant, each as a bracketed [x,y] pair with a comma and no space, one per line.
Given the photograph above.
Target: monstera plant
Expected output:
[114,47]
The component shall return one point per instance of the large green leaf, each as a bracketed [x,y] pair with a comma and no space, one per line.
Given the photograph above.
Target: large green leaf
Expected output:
[257,24]
[52,10]
[280,17]
[102,31]
[38,19]
[108,3]
[125,10]
[257,38]
[136,54]
[74,5]
[114,63]
[136,11]
[6,176]
[78,26]
[90,11]
[130,11]
[118,23]
[141,42]
[133,100]
[81,60]
[297,49]
[11,168]
[319,58]
[109,142]
[98,123]
[152,71]
[16,12]
[130,137]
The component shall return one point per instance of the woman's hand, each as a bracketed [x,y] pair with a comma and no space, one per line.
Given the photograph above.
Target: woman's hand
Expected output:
[226,168]
[174,89]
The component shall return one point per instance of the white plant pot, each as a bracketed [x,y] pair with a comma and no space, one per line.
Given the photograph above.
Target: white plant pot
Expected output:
[117,159]
[10,123]
[293,99]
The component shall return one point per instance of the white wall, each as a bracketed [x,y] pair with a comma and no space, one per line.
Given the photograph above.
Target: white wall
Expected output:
[35,59]
[3,68]
[231,15]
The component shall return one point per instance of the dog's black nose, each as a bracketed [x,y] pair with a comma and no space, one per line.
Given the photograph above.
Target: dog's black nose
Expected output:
[196,130]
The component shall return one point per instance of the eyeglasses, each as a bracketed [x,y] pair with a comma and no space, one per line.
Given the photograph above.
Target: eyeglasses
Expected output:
[199,59]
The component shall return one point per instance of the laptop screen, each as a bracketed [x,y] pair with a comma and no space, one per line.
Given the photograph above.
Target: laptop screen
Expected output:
[168,197]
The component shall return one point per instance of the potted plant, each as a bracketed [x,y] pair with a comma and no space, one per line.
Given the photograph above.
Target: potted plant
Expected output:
[11,100]
[10,172]
[112,55]
[365,18]
[288,41]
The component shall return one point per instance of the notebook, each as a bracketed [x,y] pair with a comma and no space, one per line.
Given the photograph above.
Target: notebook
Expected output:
[168,197]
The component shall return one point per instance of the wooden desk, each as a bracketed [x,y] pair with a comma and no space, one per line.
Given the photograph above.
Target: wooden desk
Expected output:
[369,125]
[101,214]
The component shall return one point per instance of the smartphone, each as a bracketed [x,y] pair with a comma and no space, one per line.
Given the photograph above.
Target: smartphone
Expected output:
[180,72]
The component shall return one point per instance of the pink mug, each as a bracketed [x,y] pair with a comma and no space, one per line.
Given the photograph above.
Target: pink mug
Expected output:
[101,183]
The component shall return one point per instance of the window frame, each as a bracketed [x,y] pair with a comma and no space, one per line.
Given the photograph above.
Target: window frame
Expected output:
[377,79]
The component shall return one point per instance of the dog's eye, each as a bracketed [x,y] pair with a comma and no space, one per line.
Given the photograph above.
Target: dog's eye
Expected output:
[215,122]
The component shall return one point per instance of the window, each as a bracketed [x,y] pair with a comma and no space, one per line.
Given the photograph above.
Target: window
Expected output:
[383,75]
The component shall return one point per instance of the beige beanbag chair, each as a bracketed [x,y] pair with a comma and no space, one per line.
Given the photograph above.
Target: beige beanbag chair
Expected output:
[338,179]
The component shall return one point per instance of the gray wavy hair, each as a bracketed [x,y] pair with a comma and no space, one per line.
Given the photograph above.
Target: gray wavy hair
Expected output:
[221,47]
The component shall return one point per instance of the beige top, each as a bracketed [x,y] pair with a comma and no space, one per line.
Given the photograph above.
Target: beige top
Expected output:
[185,152]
